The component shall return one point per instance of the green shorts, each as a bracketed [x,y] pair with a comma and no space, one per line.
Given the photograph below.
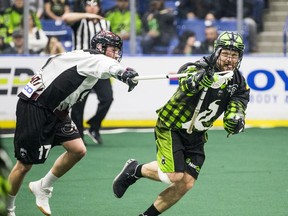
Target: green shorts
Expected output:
[178,151]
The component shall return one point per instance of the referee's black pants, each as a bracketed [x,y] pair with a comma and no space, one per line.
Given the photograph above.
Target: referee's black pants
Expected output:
[103,90]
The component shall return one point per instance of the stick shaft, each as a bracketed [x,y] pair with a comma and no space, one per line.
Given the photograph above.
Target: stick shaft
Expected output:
[153,77]
[197,110]
[168,76]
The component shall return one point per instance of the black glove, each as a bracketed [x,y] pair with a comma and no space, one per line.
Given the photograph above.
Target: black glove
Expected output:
[204,77]
[127,77]
[234,123]
[234,118]
[211,62]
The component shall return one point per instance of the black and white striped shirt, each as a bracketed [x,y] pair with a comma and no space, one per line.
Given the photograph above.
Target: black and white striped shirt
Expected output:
[85,29]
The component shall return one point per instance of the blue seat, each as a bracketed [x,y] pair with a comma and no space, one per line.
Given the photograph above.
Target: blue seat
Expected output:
[54,28]
[60,30]
[170,4]
[166,49]
[231,25]
[195,25]
[126,46]
[108,4]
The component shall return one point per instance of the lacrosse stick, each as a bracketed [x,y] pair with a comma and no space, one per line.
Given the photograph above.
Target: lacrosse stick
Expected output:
[169,76]
[226,75]
[197,110]
[153,77]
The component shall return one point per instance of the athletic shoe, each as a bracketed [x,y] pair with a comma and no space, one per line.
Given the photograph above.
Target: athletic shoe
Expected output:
[125,178]
[95,136]
[42,196]
[11,212]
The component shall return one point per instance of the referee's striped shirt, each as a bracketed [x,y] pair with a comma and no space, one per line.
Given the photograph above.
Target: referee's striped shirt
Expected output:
[85,29]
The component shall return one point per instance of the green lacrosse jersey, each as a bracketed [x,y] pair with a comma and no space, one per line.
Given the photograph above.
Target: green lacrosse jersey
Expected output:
[178,111]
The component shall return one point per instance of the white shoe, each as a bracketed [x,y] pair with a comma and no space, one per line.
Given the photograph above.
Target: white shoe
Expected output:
[42,196]
[11,212]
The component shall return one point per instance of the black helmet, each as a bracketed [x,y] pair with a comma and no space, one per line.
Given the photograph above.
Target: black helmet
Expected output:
[230,40]
[106,38]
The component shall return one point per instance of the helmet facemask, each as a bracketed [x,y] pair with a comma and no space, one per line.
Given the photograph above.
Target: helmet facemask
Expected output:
[231,41]
[103,39]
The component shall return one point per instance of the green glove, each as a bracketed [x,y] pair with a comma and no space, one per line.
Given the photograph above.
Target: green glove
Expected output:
[234,118]
[207,80]
[234,123]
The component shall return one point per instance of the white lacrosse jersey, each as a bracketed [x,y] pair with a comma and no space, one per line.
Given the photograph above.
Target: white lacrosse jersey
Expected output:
[66,78]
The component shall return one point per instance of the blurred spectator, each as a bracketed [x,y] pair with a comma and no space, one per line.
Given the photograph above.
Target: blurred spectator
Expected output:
[211,34]
[229,12]
[54,9]
[266,4]
[37,39]
[142,7]
[120,19]
[86,24]
[4,4]
[3,27]
[54,46]
[158,25]
[258,10]
[78,6]
[18,44]
[3,45]
[188,44]
[13,17]
[37,6]
[196,9]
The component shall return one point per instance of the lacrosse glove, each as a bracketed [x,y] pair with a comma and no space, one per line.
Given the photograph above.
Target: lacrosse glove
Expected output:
[209,65]
[127,77]
[234,118]
[205,77]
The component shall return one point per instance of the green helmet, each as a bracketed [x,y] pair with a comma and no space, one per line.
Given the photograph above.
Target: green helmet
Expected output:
[230,40]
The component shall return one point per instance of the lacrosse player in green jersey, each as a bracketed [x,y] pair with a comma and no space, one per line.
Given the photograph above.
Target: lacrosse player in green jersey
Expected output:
[180,152]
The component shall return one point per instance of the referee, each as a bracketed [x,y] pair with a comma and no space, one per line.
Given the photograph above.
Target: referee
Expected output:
[85,25]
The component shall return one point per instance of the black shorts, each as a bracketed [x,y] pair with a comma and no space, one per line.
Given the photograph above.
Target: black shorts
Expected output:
[178,151]
[38,130]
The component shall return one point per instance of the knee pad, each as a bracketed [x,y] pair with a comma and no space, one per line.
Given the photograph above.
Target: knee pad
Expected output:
[164,177]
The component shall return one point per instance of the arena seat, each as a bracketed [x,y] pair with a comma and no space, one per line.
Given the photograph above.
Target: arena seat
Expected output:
[231,25]
[126,46]
[108,4]
[195,25]
[60,30]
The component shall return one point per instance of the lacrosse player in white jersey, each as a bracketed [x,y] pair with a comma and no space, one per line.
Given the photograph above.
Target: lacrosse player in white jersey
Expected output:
[42,115]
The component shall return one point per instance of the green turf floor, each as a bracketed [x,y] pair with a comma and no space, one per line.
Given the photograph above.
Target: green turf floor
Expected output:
[244,175]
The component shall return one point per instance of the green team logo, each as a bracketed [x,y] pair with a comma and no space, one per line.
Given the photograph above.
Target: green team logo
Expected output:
[190,164]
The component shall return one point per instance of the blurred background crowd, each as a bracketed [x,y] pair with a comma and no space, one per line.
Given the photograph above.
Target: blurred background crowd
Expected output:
[161,26]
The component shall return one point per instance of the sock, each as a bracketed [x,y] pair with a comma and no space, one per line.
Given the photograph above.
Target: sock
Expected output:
[138,173]
[151,211]
[11,201]
[48,180]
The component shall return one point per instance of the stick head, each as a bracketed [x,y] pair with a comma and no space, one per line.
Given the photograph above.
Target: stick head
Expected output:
[223,77]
